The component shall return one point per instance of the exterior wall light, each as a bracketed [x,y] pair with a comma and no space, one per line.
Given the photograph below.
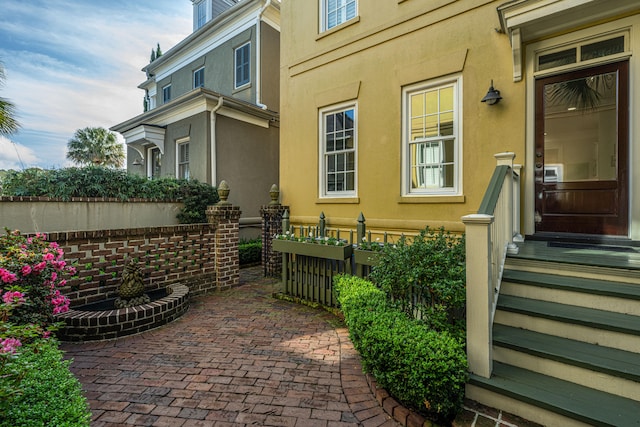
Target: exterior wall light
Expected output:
[137,162]
[492,96]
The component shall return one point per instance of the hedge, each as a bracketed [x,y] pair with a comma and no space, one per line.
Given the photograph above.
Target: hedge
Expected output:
[424,369]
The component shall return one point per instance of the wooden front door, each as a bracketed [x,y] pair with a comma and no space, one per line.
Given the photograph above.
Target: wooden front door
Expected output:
[581,164]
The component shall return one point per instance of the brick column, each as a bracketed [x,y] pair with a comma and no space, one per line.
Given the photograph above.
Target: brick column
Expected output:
[226,220]
[271,225]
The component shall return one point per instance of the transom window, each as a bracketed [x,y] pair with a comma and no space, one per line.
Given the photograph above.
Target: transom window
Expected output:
[242,63]
[166,94]
[581,52]
[183,160]
[431,139]
[335,12]
[198,78]
[338,151]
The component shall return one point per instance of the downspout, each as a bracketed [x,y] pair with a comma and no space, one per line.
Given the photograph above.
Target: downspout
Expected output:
[213,115]
[258,59]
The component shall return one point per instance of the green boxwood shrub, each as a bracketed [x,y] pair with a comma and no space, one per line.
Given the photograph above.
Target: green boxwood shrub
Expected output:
[95,181]
[423,368]
[250,251]
[48,394]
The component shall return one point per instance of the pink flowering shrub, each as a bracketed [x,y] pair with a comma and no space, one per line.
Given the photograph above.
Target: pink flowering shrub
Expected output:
[31,273]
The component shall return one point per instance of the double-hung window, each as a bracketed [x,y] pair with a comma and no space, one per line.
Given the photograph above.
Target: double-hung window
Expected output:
[335,12]
[242,65]
[338,143]
[166,94]
[198,78]
[431,139]
[182,150]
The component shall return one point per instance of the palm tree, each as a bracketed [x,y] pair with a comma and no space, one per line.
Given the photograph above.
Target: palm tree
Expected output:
[8,123]
[95,146]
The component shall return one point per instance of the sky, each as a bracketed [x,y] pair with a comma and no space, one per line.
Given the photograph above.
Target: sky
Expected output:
[71,64]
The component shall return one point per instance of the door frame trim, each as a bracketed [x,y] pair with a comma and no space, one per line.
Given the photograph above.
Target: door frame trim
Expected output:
[528,211]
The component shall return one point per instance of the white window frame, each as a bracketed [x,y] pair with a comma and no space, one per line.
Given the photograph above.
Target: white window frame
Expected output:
[181,162]
[435,190]
[323,154]
[195,73]
[166,90]
[342,9]
[200,13]
[236,51]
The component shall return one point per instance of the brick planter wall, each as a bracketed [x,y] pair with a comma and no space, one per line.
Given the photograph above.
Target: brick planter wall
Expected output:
[109,324]
[175,254]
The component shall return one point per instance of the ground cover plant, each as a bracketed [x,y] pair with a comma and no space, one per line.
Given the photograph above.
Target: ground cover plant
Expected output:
[95,181]
[425,369]
[36,386]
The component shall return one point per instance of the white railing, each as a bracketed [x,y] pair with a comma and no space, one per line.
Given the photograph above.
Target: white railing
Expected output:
[490,236]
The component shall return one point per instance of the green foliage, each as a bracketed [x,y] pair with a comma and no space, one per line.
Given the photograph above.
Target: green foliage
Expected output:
[250,251]
[94,181]
[196,197]
[431,267]
[95,146]
[48,394]
[422,368]
[8,122]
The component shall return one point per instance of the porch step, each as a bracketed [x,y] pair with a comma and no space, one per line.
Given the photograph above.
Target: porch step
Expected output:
[589,317]
[619,363]
[573,401]
[574,284]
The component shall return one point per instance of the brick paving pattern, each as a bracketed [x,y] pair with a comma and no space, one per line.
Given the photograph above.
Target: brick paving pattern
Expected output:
[238,357]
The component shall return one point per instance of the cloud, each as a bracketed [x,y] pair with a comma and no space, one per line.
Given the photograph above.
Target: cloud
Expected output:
[71,64]
[15,156]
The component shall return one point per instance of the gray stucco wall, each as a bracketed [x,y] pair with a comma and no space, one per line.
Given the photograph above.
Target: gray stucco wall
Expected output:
[248,159]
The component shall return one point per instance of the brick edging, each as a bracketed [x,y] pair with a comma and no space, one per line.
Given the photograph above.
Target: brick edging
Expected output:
[395,409]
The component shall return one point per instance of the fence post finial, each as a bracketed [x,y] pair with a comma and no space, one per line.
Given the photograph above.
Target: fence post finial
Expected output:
[285,221]
[322,225]
[361,229]
[274,193]
[223,192]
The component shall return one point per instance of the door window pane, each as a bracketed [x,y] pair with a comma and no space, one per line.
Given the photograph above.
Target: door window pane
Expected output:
[580,129]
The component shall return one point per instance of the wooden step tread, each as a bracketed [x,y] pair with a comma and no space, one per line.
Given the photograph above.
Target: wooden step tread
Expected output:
[611,361]
[571,400]
[599,319]
[576,284]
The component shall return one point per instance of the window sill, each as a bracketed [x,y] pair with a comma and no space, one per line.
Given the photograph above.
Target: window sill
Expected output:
[338,200]
[337,28]
[241,88]
[431,199]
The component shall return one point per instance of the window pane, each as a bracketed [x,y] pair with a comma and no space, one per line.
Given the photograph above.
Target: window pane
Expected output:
[331,163]
[446,99]
[432,126]
[339,151]
[602,48]
[446,124]
[417,128]
[331,144]
[431,99]
[348,144]
[557,59]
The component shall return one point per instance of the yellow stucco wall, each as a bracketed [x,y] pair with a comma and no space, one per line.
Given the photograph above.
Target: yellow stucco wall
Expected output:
[369,59]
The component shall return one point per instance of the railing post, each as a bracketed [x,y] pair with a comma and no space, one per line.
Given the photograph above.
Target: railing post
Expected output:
[517,237]
[507,159]
[479,293]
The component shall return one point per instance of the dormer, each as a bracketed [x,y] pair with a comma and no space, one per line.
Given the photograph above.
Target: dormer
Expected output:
[206,10]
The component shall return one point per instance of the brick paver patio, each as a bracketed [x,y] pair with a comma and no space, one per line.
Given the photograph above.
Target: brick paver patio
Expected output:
[238,357]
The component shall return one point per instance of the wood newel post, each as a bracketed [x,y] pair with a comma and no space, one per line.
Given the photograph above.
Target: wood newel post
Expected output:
[286,225]
[479,293]
[508,217]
